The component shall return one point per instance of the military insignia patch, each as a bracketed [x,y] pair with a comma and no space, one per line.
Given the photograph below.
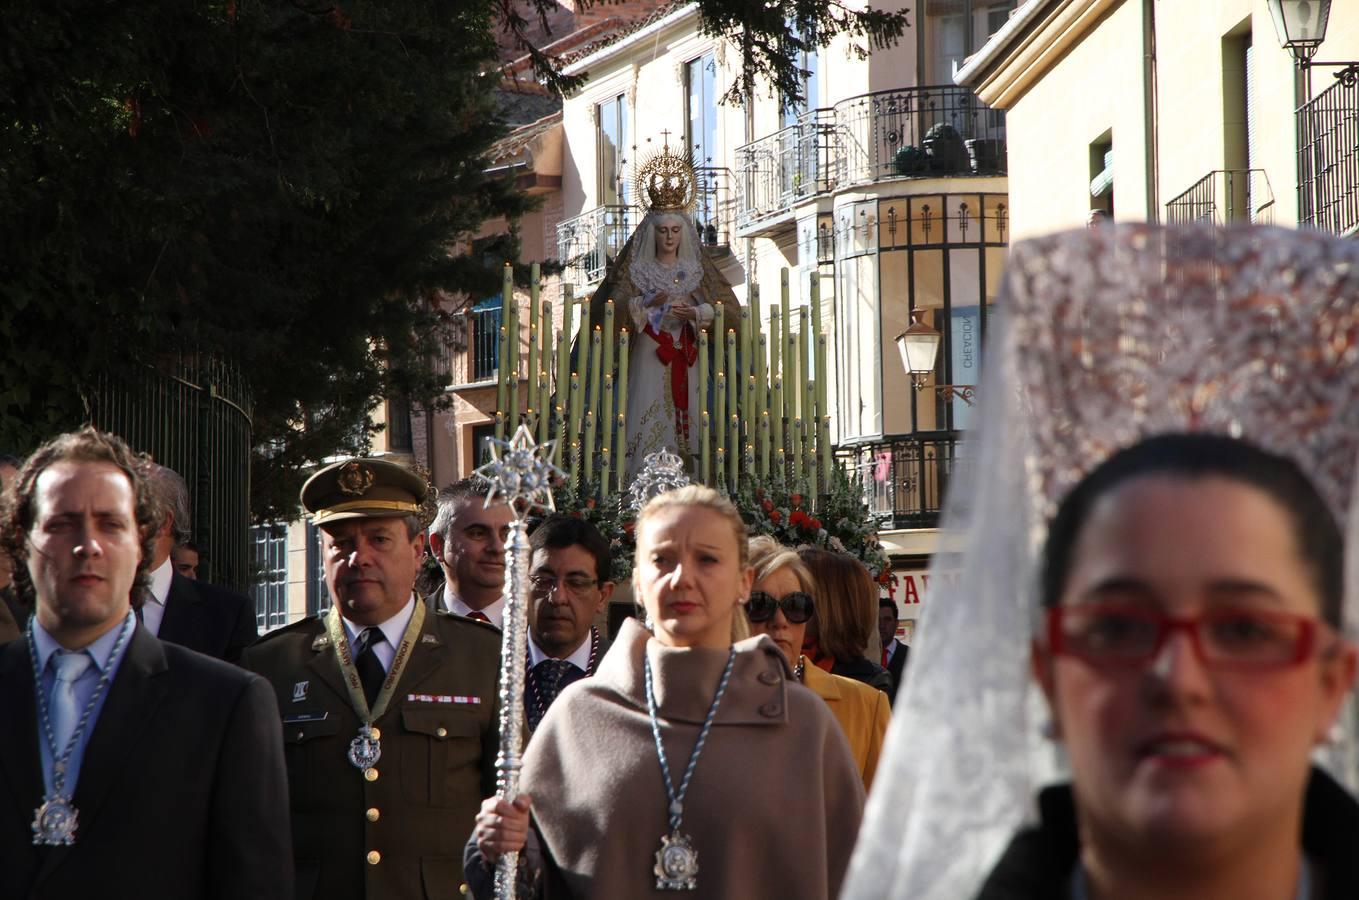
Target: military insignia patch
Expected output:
[354,479]
[300,691]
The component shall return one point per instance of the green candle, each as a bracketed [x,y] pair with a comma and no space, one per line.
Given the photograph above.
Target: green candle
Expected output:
[511,315]
[608,344]
[623,343]
[703,433]
[777,434]
[605,469]
[573,421]
[606,420]
[720,413]
[764,446]
[587,479]
[797,449]
[734,457]
[622,450]
[734,380]
[592,401]
[703,376]
[502,382]
[533,336]
[558,449]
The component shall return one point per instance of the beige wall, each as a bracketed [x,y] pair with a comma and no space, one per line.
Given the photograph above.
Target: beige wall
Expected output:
[1096,85]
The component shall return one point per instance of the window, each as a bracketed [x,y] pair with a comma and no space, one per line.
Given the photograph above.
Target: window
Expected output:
[700,107]
[484,321]
[810,64]
[399,425]
[269,587]
[954,30]
[612,117]
[318,597]
[481,443]
[1102,178]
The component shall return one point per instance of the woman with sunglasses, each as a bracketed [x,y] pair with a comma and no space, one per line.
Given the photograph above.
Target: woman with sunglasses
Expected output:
[781,606]
[1151,527]
[847,610]
[659,772]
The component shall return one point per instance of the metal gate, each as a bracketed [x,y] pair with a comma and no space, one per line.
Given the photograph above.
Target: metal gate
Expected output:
[192,414]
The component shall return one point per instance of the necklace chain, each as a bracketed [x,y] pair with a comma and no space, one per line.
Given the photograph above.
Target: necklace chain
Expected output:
[677,800]
[61,756]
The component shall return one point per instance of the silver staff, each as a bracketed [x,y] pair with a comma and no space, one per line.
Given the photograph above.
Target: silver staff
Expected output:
[520,474]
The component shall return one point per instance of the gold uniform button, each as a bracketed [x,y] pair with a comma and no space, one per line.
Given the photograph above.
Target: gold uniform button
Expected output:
[370,774]
[462,889]
[441,732]
[374,857]
[301,735]
[377,735]
[373,815]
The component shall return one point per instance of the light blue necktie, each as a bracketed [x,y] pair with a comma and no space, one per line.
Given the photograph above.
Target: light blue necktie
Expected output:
[64,709]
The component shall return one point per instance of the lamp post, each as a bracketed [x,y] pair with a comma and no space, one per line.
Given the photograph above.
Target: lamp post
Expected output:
[919,348]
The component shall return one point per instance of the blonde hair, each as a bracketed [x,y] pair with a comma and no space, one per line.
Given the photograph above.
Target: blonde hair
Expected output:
[768,556]
[846,602]
[698,495]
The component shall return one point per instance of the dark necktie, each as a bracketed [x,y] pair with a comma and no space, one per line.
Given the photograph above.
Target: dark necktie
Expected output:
[480,616]
[366,661]
[549,678]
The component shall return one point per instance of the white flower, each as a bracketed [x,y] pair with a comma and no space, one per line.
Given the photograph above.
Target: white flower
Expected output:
[836,544]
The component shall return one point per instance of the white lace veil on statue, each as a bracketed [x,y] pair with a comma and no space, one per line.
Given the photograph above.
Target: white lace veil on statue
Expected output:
[1103,337]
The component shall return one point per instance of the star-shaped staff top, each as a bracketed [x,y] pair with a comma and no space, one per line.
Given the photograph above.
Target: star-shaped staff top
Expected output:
[519,470]
[661,471]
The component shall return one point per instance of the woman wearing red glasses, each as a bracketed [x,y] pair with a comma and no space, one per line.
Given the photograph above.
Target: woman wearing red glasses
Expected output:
[1143,648]
[1191,660]
[781,606]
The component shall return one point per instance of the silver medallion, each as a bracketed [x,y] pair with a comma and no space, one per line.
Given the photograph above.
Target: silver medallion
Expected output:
[365,750]
[676,863]
[54,823]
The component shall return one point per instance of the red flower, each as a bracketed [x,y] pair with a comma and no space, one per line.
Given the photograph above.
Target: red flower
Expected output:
[759,492]
[767,505]
[797,517]
[796,499]
[774,515]
[814,524]
[590,503]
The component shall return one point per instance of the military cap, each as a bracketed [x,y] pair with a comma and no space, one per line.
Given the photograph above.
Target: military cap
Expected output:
[363,489]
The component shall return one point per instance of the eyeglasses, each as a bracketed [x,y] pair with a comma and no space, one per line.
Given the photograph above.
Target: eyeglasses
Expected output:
[575,585]
[797,607]
[1106,635]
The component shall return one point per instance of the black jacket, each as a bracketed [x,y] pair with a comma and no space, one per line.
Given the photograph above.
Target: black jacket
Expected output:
[182,792]
[207,618]
[1039,862]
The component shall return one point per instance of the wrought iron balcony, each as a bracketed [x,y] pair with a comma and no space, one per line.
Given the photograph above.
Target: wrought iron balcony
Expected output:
[918,132]
[472,353]
[1224,196]
[1328,158]
[905,477]
[588,243]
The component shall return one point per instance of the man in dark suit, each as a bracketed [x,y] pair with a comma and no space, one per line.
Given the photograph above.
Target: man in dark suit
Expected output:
[568,586]
[467,537]
[390,709]
[88,697]
[894,652]
[193,614]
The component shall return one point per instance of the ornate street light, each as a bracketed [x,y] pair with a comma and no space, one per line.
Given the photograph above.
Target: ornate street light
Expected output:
[1300,25]
[919,349]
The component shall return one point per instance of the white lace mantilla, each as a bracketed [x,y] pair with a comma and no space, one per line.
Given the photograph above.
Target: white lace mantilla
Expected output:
[678,280]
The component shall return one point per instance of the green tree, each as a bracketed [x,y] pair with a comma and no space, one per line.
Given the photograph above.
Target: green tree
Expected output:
[288,185]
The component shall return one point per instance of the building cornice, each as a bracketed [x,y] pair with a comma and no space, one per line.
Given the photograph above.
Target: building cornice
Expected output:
[1036,37]
[627,42]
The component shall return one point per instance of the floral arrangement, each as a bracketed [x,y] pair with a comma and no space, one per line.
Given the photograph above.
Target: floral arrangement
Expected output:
[839,520]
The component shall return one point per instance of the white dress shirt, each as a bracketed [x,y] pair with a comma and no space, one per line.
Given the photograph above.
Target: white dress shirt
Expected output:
[495,612]
[393,630]
[580,657]
[153,611]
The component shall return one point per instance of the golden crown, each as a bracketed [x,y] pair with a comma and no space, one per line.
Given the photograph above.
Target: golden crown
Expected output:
[668,181]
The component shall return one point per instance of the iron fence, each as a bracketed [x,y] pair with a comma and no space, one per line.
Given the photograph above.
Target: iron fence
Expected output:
[191,413]
[905,477]
[932,131]
[472,352]
[587,243]
[715,206]
[1224,196]
[1328,157]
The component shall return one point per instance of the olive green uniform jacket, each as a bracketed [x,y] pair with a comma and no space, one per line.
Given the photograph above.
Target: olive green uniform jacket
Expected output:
[398,830]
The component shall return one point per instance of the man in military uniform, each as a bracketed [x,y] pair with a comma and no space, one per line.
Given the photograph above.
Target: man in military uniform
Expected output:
[389,708]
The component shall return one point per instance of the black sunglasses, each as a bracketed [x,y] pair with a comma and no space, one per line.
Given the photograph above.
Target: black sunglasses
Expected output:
[797,607]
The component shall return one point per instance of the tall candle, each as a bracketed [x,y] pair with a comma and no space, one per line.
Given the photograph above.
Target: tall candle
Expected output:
[606,418]
[703,377]
[596,348]
[623,344]
[622,453]
[587,474]
[704,434]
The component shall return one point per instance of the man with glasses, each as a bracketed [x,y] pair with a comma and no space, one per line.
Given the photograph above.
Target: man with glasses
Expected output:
[569,586]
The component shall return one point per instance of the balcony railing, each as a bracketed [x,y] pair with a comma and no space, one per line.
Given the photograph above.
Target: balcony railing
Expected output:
[917,132]
[472,355]
[904,478]
[590,241]
[1224,196]
[1328,158]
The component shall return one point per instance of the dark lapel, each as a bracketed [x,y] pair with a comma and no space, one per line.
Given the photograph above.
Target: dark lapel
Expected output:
[117,748]
[181,612]
[20,764]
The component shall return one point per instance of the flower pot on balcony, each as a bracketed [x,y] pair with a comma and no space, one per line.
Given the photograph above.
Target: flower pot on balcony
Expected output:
[944,150]
[908,161]
[987,156]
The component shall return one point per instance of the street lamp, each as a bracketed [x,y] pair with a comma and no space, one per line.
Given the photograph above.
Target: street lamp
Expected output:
[919,348]
[1300,25]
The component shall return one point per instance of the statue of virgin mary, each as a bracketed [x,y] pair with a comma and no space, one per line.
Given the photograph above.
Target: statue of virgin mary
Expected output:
[670,290]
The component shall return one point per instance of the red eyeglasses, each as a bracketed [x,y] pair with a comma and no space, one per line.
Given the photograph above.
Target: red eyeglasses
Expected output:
[1113,635]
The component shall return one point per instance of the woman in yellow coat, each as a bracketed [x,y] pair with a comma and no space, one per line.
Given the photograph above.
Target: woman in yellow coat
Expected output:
[780,606]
